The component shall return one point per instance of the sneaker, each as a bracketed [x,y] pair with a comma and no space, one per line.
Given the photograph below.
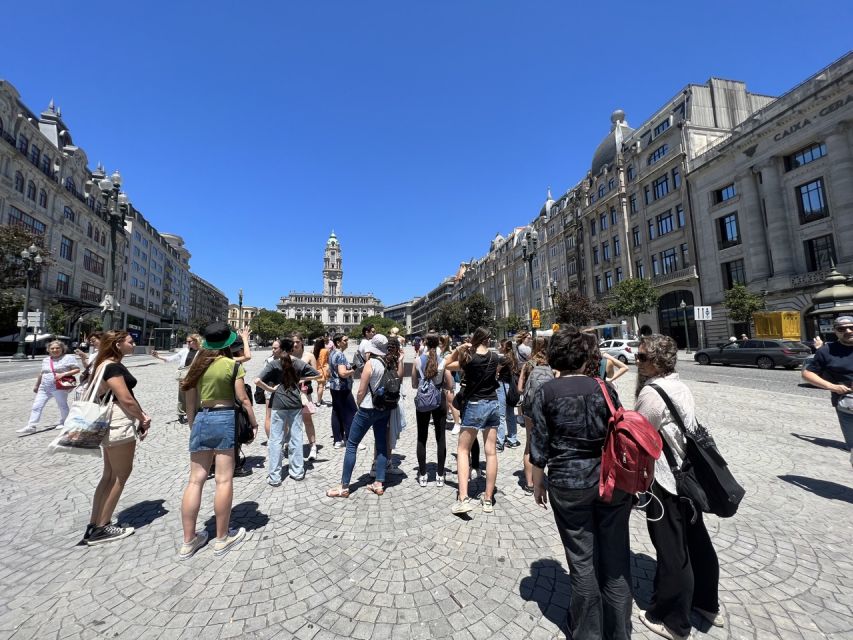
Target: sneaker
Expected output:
[439,481]
[182,419]
[456,429]
[108,533]
[89,529]
[717,619]
[274,484]
[221,546]
[312,455]
[286,451]
[362,447]
[393,469]
[488,507]
[513,445]
[373,470]
[27,429]
[422,480]
[461,506]
[242,472]
[499,447]
[339,444]
[661,629]
[188,549]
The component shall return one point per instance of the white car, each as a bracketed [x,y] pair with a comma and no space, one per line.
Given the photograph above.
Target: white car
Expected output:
[623,350]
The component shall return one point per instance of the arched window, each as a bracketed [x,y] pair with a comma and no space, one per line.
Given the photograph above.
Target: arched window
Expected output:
[31,191]
[19,182]
[69,184]
[43,198]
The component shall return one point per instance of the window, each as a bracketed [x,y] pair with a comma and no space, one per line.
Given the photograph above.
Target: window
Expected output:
[591,198]
[35,155]
[601,191]
[23,143]
[676,178]
[45,165]
[685,259]
[608,280]
[66,248]
[733,273]
[652,234]
[613,217]
[665,223]
[820,253]
[670,260]
[21,219]
[728,232]
[663,126]
[661,186]
[620,276]
[31,191]
[93,262]
[598,284]
[647,190]
[633,201]
[592,227]
[93,294]
[811,201]
[605,250]
[70,185]
[726,193]
[595,255]
[641,270]
[630,174]
[657,154]
[804,156]
[43,199]
[679,213]
[655,265]
[617,246]
[603,221]
[63,282]
[19,182]
[69,214]
[611,183]
[635,233]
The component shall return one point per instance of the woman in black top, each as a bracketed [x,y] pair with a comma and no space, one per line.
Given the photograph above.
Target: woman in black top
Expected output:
[128,422]
[570,417]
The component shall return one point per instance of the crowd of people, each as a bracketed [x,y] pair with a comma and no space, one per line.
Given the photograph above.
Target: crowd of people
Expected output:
[549,386]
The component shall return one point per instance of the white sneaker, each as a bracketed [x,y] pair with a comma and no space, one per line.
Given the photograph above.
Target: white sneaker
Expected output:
[461,506]
[362,447]
[439,481]
[221,546]
[716,618]
[188,549]
[27,429]
[312,455]
[422,480]
[340,444]
[456,429]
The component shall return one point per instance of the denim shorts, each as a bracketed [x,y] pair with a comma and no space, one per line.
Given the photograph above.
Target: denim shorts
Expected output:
[481,414]
[212,430]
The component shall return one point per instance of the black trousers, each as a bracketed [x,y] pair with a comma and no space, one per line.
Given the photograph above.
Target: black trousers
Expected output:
[688,572]
[595,537]
[343,411]
[439,417]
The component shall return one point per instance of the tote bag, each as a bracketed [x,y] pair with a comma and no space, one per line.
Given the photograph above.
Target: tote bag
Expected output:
[88,421]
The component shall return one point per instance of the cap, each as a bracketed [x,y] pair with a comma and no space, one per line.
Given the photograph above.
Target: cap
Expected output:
[378,345]
[843,321]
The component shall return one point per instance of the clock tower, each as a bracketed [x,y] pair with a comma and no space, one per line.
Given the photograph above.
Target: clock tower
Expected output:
[332,270]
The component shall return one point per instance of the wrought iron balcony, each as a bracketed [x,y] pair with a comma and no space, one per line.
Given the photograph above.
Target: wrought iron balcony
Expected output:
[674,276]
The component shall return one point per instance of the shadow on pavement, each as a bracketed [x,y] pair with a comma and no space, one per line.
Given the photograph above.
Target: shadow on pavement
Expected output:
[245,514]
[643,568]
[821,442]
[549,586]
[142,513]
[823,488]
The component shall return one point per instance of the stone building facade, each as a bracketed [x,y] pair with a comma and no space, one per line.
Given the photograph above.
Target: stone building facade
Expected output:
[338,310]
[207,303]
[248,313]
[401,313]
[774,201]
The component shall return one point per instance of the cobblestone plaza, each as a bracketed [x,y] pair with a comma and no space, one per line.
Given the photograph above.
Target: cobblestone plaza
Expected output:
[401,565]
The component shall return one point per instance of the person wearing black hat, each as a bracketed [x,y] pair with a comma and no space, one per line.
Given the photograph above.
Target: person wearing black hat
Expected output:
[832,369]
[213,384]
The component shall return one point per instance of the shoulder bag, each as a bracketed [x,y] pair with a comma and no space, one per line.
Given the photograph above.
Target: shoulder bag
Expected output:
[63,383]
[704,476]
[88,421]
[242,427]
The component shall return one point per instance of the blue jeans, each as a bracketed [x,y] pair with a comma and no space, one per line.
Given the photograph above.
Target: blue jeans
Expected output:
[364,419]
[279,420]
[508,427]
[212,430]
[481,414]
[846,421]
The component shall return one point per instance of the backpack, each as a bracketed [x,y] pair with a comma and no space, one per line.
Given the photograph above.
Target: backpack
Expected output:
[539,375]
[513,397]
[428,395]
[358,361]
[630,449]
[386,396]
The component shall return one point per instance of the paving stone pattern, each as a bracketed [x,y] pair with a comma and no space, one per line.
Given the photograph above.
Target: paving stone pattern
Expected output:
[401,565]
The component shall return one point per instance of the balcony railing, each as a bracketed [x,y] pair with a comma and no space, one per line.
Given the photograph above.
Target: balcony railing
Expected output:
[806,279]
[90,295]
[93,266]
[674,276]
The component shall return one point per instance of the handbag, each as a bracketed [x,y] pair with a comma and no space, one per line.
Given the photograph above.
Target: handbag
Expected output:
[260,396]
[845,404]
[704,477]
[64,383]
[88,421]
[243,431]
[460,401]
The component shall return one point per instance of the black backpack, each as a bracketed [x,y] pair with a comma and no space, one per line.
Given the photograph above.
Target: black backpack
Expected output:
[386,396]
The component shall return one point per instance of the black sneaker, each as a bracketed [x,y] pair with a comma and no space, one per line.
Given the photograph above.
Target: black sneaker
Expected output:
[89,529]
[242,472]
[109,533]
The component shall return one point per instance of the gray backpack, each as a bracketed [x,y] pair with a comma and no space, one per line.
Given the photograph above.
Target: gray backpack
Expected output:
[539,375]
[428,396]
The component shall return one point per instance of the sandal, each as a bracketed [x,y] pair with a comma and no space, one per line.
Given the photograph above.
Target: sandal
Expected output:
[378,490]
[337,492]
[528,489]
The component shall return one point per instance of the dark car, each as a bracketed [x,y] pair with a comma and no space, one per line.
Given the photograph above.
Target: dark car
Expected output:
[765,354]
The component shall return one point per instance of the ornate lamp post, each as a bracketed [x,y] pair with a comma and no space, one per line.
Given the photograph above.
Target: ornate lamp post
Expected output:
[683,307]
[111,192]
[553,294]
[240,309]
[32,259]
[174,309]
[529,243]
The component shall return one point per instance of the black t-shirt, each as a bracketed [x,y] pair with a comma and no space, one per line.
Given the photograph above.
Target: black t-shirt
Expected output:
[480,379]
[115,369]
[834,362]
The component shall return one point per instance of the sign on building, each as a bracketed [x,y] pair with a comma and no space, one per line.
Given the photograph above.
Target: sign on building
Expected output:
[702,313]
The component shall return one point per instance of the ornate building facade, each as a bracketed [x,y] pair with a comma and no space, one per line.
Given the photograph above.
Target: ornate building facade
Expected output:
[337,310]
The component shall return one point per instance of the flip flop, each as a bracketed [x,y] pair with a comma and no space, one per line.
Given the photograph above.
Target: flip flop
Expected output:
[374,489]
[337,492]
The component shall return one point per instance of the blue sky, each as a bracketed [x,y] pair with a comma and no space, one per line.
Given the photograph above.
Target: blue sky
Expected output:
[417,130]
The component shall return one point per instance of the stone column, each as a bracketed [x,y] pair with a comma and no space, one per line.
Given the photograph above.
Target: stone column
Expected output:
[839,186]
[751,221]
[778,219]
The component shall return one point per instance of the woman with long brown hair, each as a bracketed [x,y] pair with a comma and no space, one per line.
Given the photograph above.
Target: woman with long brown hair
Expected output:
[434,378]
[128,422]
[533,374]
[507,375]
[213,385]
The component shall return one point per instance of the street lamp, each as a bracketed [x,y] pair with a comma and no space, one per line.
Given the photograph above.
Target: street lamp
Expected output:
[174,309]
[240,309]
[529,243]
[553,293]
[683,307]
[111,192]
[32,259]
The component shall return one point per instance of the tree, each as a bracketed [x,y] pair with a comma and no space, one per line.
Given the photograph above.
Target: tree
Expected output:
[13,240]
[10,304]
[450,317]
[57,319]
[381,324]
[268,325]
[633,297]
[479,312]
[742,303]
[511,324]
[575,308]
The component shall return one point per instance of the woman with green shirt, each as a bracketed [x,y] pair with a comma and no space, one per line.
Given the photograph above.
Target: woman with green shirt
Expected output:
[213,384]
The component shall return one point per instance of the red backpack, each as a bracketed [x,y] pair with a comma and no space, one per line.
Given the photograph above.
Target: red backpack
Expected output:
[630,449]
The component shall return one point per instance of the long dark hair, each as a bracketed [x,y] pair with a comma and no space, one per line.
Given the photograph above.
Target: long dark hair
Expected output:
[319,345]
[393,354]
[202,361]
[481,335]
[538,354]
[432,355]
[508,350]
[288,372]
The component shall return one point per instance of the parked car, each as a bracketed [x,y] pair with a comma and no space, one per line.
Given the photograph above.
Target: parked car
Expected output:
[765,354]
[623,350]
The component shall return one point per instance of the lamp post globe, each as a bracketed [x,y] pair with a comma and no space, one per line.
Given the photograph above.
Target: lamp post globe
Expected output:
[31,259]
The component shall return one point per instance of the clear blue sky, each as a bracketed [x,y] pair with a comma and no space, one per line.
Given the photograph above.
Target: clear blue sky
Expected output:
[417,130]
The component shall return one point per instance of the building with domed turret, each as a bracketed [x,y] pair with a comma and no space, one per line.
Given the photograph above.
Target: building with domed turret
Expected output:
[338,310]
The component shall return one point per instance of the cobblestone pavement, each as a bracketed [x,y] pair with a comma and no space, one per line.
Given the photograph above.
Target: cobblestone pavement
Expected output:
[400,565]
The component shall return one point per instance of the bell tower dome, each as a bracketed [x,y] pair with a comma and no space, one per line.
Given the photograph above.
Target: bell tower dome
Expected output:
[333,272]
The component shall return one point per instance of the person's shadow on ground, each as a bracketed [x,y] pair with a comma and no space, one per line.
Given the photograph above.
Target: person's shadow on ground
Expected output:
[245,514]
[822,488]
[549,586]
[142,513]
[821,442]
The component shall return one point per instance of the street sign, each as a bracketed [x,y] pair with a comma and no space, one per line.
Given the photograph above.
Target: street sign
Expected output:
[702,313]
[535,319]
[34,319]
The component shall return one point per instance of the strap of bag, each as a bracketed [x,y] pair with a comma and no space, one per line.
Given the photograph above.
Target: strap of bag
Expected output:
[234,380]
[50,362]
[607,397]
[678,421]
[94,385]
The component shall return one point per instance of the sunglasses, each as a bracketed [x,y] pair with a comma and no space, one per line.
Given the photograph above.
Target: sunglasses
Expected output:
[643,357]
[847,327]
